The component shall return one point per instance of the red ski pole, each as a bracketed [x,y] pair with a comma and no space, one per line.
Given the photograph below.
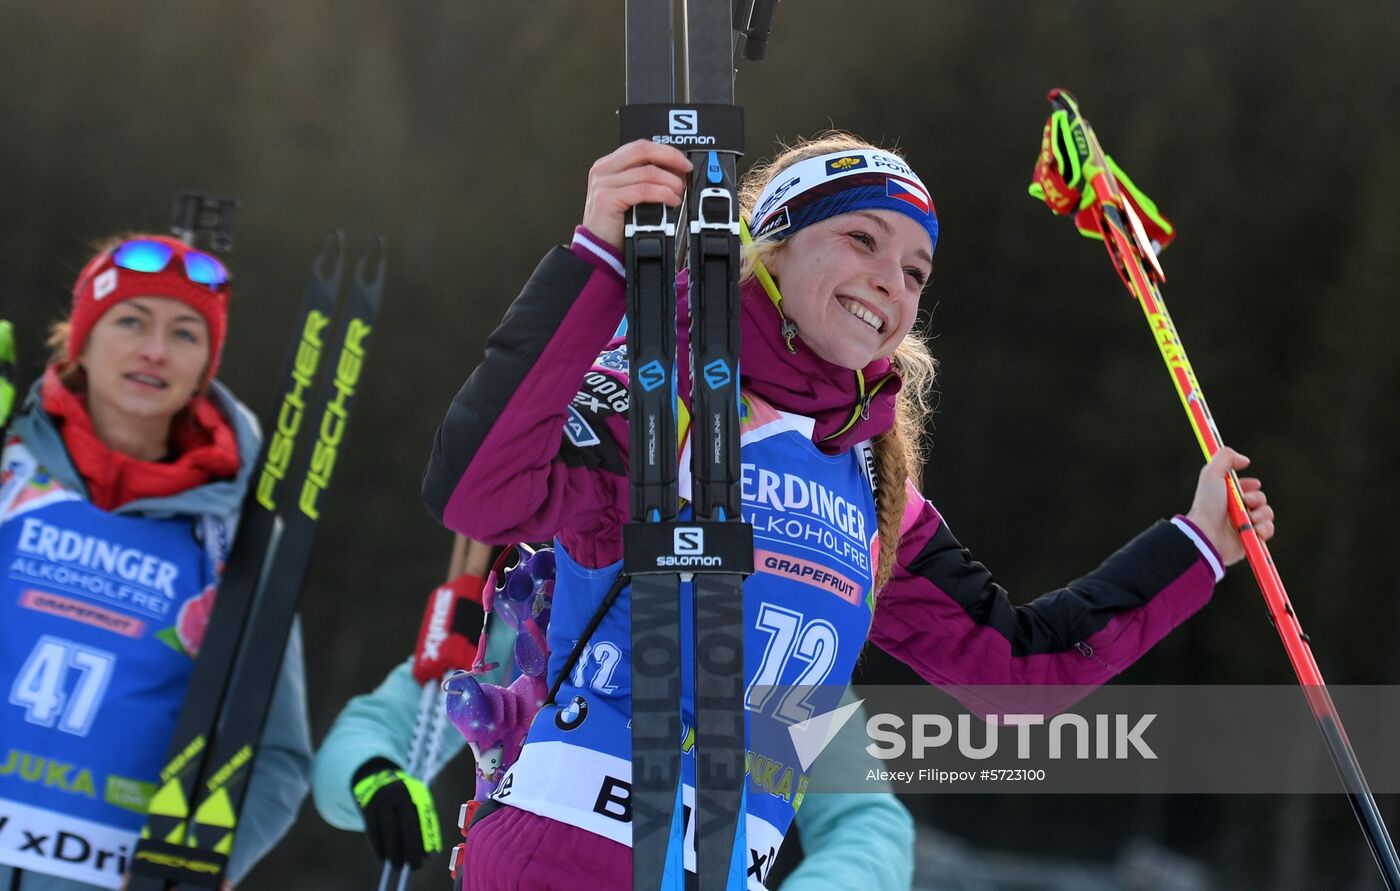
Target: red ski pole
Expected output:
[1109,213]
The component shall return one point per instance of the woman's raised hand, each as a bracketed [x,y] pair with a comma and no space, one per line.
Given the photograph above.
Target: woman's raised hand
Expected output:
[639,172]
[1209,511]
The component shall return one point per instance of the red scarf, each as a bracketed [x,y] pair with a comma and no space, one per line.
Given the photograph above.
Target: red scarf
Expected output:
[205,448]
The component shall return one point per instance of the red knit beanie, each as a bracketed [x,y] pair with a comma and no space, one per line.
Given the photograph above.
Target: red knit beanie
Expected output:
[102,285]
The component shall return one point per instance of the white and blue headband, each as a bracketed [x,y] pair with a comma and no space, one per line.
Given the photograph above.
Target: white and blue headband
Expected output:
[841,182]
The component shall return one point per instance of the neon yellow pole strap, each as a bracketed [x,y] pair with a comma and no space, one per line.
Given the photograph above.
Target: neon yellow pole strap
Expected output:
[1146,208]
[1065,173]
[1065,129]
[429,831]
[427,815]
[1059,175]
[368,787]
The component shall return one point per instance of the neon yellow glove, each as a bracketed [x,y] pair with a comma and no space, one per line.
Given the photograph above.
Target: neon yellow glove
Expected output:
[400,819]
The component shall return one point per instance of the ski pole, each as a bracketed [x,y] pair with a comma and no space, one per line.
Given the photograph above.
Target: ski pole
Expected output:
[1111,216]
[471,559]
[446,642]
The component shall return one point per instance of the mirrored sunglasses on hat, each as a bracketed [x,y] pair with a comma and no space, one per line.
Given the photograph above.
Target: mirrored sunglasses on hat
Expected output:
[145,255]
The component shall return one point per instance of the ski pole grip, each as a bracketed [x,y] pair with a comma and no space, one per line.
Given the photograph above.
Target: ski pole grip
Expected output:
[452,622]
[1063,100]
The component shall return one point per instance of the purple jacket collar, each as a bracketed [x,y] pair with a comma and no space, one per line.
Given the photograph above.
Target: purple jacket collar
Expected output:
[800,382]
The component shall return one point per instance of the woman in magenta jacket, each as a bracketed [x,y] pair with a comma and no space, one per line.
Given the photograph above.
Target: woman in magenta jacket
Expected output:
[834,383]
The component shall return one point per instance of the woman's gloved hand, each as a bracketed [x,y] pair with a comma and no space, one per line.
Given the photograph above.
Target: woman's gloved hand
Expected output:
[400,819]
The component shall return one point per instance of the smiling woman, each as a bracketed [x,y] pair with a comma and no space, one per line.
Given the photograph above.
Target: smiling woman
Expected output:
[833,378]
[119,496]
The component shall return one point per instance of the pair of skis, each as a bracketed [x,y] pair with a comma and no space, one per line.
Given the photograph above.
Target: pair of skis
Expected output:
[193,816]
[1112,218]
[713,549]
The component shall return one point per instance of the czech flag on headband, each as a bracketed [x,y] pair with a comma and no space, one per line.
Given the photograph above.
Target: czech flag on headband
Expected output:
[910,193]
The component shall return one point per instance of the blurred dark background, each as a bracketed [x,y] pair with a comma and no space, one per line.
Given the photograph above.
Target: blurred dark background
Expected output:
[1269,133]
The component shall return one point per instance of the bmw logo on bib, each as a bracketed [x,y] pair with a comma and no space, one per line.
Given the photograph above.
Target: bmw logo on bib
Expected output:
[572,715]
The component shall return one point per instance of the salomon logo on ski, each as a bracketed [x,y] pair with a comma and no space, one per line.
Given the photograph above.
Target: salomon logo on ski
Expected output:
[689,540]
[651,376]
[717,374]
[684,129]
[684,122]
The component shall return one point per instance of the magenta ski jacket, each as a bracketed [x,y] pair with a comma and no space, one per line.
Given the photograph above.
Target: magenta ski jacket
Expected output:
[534,446]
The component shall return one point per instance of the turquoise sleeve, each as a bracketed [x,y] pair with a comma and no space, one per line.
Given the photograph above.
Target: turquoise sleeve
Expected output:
[373,725]
[380,725]
[853,839]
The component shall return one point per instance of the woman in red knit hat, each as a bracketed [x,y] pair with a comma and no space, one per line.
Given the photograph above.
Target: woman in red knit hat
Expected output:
[120,487]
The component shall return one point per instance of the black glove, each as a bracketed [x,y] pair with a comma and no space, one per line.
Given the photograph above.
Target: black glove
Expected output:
[400,820]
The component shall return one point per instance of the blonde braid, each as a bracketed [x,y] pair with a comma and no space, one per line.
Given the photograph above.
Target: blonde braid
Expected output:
[899,452]
[890,500]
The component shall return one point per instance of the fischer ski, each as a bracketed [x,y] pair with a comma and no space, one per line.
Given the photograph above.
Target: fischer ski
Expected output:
[1108,206]
[193,815]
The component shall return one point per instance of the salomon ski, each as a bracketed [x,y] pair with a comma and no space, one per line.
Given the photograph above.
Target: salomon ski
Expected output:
[713,547]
